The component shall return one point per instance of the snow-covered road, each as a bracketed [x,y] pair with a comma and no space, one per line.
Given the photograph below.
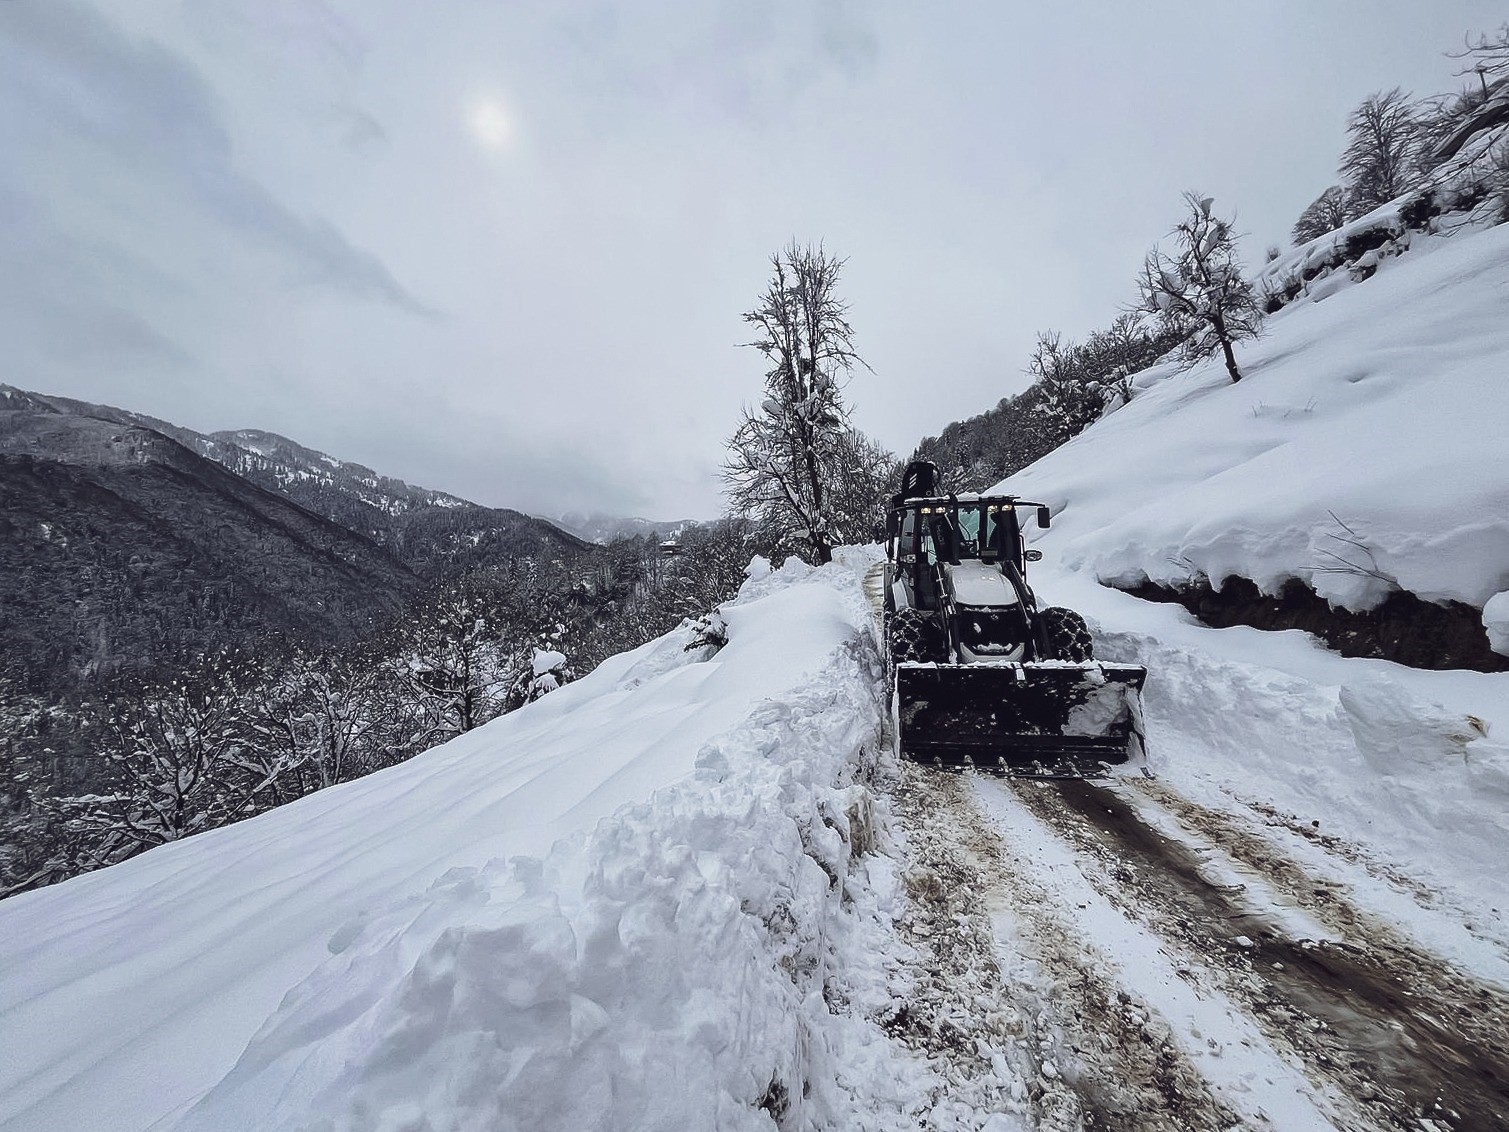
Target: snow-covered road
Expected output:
[1152,963]
[1186,950]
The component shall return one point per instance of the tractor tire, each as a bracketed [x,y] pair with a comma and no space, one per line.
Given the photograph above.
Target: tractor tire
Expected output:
[914,636]
[1067,634]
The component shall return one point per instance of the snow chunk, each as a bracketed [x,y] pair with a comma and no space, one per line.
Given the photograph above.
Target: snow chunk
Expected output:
[1397,732]
[547,660]
[1496,621]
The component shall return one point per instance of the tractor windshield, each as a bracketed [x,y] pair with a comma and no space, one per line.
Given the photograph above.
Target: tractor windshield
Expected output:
[968,530]
[988,526]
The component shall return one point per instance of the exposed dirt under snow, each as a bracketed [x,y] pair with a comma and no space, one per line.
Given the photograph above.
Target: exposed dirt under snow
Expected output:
[1094,1056]
[1048,913]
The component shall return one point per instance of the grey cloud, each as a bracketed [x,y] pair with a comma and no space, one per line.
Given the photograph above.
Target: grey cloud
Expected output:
[358,130]
[310,27]
[738,59]
[146,126]
[847,38]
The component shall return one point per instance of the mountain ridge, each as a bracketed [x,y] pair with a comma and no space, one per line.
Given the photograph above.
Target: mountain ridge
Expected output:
[430,531]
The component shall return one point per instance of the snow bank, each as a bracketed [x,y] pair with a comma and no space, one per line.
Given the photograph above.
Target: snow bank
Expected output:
[1412,765]
[1496,621]
[618,907]
[626,982]
[1363,449]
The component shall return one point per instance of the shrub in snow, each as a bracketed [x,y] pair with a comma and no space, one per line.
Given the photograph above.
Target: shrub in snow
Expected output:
[547,670]
[710,632]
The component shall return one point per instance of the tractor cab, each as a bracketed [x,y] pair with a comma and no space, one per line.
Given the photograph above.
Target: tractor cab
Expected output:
[967,547]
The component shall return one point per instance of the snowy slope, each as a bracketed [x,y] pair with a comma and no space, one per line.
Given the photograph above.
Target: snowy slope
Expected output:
[425,936]
[1384,403]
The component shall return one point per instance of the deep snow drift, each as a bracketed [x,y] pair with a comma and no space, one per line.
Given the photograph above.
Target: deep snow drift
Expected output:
[618,907]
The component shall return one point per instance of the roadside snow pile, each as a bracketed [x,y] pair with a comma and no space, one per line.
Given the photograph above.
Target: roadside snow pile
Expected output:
[1496,621]
[643,902]
[1363,450]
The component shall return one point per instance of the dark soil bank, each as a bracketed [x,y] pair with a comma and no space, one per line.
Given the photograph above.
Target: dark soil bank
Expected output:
[1404,629]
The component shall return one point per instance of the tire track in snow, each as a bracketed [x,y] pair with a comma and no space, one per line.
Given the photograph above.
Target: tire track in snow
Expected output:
[1010,1000]
[1338,847]
[1412,1043]
[1275,852]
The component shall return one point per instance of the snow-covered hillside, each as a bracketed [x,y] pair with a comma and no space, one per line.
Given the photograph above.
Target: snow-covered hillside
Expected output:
[1382,405]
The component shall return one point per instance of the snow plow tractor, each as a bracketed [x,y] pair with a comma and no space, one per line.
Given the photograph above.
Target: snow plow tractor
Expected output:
[981,677]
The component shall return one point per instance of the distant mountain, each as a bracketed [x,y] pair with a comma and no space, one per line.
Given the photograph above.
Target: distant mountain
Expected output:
[600,528]
[122,547]
[431,532]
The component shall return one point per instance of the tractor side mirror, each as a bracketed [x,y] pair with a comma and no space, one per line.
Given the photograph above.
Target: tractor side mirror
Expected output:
[1043,517]
[1034,556]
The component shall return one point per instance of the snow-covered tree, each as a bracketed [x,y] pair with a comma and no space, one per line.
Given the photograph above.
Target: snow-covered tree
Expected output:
[1325,213]
[1198,291]
[325,717]
[457,666]
[1067,402]
[783,454]
[182,757]
[862,475]
[1383,146]
[546,670]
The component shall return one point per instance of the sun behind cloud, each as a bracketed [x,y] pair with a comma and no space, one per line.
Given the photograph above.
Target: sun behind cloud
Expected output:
[491,123]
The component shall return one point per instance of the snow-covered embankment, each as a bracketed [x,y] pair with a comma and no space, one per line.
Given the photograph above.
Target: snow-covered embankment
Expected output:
[623,906]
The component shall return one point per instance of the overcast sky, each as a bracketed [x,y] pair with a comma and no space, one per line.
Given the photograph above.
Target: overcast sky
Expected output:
[501,247]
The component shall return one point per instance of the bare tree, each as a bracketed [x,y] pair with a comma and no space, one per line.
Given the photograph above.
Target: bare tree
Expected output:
[324,717]
[457,665]
[862,474]
[1198,292]
[1113,356]
[1383,143]
[1486,55]
[782,455]
[182,758]
[1325,213]
[1067,402]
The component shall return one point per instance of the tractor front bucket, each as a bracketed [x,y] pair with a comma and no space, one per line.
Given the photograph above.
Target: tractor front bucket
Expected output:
[1046,719]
